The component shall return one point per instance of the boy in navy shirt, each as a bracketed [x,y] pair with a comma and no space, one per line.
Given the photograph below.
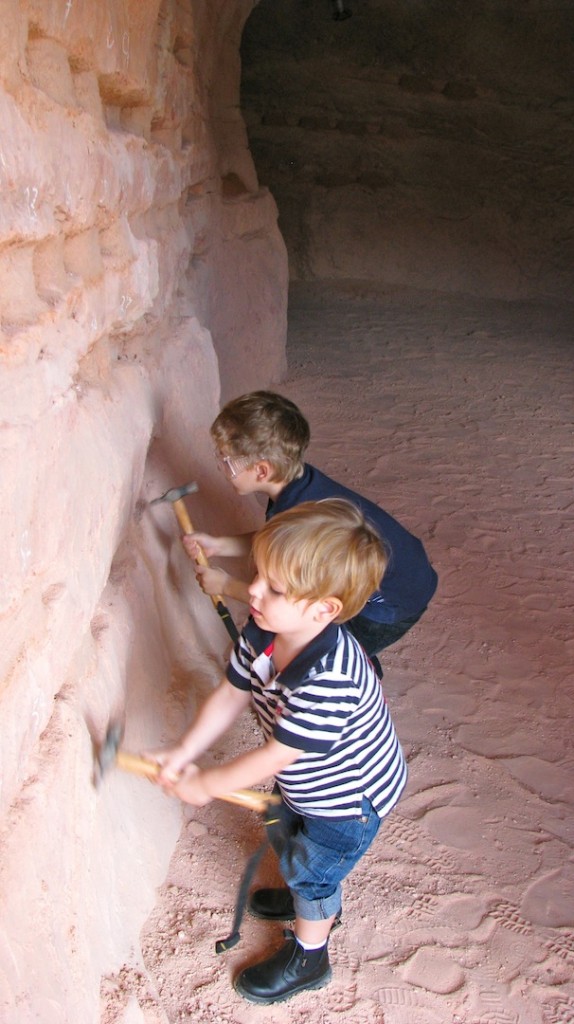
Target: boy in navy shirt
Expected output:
[329,740]
[260,441]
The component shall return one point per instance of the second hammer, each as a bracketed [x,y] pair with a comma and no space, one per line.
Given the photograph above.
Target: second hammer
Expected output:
[175,497]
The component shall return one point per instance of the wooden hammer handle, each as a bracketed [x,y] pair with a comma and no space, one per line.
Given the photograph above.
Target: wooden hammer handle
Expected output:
[186,525]
[201,559]
[249,798]
[137,765]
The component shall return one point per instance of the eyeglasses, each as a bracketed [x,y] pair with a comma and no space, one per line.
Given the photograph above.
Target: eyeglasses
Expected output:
[233,465]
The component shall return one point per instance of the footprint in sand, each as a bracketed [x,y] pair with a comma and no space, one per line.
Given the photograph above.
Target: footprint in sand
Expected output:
[549,900]
[433,971]
[547,780]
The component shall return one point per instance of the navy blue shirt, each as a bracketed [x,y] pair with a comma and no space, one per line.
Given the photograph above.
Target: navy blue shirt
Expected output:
[409,581]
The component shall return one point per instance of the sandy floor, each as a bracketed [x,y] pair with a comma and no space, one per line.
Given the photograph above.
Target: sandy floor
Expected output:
[456,415]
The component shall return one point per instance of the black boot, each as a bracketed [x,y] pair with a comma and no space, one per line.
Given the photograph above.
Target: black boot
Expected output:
[272,904]
[276,905]
[292,969]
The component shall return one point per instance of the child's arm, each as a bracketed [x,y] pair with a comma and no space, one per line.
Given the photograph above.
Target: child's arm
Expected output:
[199,786]
[215,716]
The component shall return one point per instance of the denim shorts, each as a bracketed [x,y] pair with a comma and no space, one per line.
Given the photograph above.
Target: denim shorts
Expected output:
[316,854]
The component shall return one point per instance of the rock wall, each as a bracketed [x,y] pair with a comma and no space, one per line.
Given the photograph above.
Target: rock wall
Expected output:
[142,279]
[427,144]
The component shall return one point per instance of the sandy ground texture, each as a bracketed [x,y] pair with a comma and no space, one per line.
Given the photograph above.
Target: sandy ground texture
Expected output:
[456,415]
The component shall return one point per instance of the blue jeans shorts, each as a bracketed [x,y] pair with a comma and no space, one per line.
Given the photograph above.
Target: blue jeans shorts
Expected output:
[316,854]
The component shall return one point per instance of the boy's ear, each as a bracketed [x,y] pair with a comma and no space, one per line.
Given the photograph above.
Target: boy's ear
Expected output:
[329,608]
[263,470]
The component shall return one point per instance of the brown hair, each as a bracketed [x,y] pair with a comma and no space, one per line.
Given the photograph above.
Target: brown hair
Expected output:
[321,549]
[264,425]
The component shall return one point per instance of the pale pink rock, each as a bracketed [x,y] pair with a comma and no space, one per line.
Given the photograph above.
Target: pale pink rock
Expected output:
[109,383]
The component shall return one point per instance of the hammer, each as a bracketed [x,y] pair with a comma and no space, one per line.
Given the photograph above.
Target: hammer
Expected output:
[176,496]
[110,753]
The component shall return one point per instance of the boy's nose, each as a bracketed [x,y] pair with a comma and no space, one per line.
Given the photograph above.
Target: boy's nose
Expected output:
[253,588]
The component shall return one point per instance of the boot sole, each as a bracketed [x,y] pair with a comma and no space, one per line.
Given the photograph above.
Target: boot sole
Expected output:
[263,1001]
[270,917]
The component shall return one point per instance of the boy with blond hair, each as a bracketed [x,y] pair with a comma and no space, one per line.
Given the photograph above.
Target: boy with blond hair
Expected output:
[329,740]
[260,441]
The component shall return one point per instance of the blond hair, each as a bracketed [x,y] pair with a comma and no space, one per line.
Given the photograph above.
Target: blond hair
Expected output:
[321,549]
[264,425]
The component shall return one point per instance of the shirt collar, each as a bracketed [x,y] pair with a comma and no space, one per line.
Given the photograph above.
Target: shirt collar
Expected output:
[290,494]
[300,667]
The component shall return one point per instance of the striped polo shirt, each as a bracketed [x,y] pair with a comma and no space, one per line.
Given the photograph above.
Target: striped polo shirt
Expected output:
[328,703]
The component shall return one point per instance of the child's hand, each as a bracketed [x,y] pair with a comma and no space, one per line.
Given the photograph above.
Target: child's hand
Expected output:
[211,580]
[172,761]
[211,546]
[189,787]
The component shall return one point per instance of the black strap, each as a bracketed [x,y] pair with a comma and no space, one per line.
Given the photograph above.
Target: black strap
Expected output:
[270,820]
[225,616]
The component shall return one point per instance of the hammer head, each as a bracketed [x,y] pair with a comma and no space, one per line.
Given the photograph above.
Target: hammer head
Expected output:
[106,755]
[176,493]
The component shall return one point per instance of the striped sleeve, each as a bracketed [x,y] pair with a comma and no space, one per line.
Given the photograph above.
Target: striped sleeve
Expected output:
[239,667]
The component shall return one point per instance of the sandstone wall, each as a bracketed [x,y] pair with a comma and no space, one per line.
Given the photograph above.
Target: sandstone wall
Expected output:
[427,144]
[142,278]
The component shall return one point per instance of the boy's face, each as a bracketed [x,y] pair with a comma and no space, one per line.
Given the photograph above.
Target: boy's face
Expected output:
[273,610]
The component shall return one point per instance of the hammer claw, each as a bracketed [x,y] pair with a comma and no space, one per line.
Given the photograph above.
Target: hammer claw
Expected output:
[175,493]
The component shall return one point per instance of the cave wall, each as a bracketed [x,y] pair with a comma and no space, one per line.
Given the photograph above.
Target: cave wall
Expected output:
[142,280]
[427,144]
